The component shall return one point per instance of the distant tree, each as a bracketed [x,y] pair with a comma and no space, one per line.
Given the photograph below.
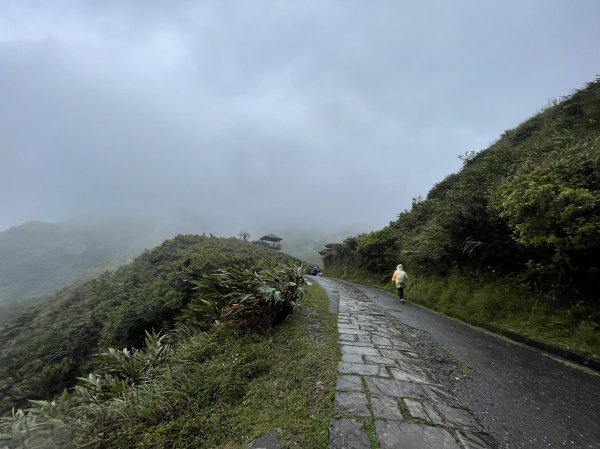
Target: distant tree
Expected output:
[244,235]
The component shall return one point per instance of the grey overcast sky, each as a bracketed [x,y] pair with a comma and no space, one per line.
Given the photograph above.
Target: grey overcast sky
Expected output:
[261,114]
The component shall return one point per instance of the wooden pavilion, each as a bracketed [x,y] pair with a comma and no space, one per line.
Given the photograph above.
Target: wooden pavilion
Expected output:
[270,241]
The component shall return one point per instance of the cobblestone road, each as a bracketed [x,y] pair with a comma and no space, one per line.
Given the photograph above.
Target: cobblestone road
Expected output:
[388,395]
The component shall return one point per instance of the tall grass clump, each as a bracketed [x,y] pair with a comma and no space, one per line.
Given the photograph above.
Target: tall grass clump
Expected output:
[186,384]
[255,297]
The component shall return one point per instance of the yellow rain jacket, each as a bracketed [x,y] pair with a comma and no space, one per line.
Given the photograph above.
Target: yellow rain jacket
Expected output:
[399,278]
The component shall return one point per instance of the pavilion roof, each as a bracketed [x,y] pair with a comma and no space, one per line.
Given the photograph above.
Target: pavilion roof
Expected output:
[271,238]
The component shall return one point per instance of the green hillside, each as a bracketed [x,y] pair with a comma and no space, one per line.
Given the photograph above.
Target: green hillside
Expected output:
[513,239]
[44,350]
[210,355]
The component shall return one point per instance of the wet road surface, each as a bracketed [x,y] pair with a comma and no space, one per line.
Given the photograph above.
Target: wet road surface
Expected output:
[526,398]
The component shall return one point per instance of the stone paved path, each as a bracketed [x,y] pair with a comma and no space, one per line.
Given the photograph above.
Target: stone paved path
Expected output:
[386,394]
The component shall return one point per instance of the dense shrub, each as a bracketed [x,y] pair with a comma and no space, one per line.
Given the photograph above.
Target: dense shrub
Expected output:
[254,297]
[526,209]
[113,310]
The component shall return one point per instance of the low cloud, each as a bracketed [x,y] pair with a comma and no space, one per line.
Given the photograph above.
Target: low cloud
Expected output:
[244,115]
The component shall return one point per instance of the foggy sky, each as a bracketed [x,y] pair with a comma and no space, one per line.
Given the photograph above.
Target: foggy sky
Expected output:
[261,114]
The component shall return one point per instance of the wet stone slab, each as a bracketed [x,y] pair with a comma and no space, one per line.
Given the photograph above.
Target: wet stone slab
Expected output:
[352,358]
[456,417]
[402,346]
[392,353]
[364,344]
[416,409]
[352,403]
[363,369]
[475,440]
[384,382]
[394,388]
[357,332]
[347,434]
[382,342]
[413,366]
[410,376]
[376,360]
[362,350]
[347,337]
[349,383]
[394,435]
[364,339]
[385,408]
[440,396]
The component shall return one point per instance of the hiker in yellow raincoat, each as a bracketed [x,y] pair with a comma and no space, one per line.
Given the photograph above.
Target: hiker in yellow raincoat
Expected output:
[399,278]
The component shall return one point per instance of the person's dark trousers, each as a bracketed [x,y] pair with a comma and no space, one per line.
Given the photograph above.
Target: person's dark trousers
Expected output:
[401,292]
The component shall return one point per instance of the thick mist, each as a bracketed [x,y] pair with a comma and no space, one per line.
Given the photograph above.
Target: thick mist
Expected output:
[222,116]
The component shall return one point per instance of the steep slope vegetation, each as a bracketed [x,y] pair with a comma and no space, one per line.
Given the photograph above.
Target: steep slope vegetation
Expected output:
[513,238]
[228,364]
[44,350]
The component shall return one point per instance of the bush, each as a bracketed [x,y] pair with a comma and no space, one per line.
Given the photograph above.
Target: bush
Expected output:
[246,297]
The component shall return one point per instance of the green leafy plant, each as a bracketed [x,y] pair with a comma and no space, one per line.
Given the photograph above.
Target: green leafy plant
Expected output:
[246,297]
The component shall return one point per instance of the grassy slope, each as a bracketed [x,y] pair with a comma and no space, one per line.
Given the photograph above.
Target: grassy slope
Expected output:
[498,304]
[508,240]
[43,351]
[223,391]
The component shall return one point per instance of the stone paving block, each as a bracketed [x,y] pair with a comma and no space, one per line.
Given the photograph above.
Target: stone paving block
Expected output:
[347,337]
[472,440]
[385,408]
[380,360]
[440,396]
[364,338]
[347,434]
[385,330]
[416,366]
[362,350]
[416,409]
[402,346]
[393,388]
[349,383]
[400,434]
[456,417]
[363,369]
[382,341]
[352,403]
[409,355]
[373,346]
[352,358]
[411,376]
[433,414]
[391,353]
[364,344]
[357,332]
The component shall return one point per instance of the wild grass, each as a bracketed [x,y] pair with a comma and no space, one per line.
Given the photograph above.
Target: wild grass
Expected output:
[210,390]
[223,390]
[500,304]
